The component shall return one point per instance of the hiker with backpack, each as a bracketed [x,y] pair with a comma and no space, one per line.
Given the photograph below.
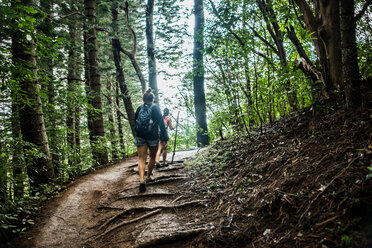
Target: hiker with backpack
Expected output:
[164,145]
[148,120]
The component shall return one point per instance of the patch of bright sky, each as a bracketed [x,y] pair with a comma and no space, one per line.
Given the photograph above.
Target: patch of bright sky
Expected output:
[171,82]
[170,78]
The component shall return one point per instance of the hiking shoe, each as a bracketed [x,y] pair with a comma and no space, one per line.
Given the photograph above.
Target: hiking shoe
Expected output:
[157,165]
[142,186]
[165,164]
[150,179]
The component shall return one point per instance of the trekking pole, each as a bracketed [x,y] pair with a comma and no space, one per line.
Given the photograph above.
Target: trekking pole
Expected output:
[175,139]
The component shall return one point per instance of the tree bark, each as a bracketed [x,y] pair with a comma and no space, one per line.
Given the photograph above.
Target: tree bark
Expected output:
[120,126]
[324,25]
[72,85]
[46,27]
[114,148]
[330,35]
[349,55]
[116,48]
[151,50]
[40,168]
[97,131]
[17,164]
[198,75]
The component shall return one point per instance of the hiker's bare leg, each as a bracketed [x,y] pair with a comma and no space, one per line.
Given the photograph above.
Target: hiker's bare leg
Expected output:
[157,158]
[164,154]
[153,150]
[142,155]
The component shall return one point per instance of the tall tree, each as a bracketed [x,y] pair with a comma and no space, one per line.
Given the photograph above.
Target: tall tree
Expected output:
[18,178]
[47,65]
[95,118]
[324,25]
[120,78]
[198,75]
[40,168]
[73,79]
[151,49]
[349,54]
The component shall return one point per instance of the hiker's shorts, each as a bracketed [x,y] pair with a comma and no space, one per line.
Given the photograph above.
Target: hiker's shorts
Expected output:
[138,141]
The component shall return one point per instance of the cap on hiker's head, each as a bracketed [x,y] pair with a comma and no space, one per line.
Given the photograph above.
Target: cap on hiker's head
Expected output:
[148,97]
[166,112]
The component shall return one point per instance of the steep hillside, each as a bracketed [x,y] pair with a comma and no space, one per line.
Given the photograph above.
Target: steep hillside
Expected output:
[304,182]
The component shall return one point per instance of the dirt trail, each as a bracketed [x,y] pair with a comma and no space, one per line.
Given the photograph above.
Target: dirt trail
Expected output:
[105,209]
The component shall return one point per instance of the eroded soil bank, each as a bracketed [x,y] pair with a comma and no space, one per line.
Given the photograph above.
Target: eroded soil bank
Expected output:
[305,181]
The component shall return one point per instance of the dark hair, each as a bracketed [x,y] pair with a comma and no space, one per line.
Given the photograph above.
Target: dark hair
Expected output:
[165,112]
[148,96]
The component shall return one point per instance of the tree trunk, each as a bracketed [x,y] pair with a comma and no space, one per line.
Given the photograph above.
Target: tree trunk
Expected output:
[330,35]
[114,148]
[324,25]
[72,86]
[116,48]
[198,75]
[120,127]
[47,62]
[40,168]
[97,130]
[349,55]
[3,183]
[151,49]
[17,153]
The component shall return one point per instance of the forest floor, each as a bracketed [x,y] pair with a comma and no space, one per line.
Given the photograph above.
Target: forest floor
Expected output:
[301,182]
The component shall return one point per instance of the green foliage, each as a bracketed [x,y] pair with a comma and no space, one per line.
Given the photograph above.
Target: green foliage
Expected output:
[369,175]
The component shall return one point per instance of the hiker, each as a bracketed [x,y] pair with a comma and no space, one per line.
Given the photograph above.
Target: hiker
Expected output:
[163,145]
[148,119]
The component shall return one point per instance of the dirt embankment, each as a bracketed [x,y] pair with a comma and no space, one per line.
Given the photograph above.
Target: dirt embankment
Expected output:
[302,183]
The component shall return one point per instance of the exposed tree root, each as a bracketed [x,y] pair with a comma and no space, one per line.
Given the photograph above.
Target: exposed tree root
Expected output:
[170,168]
[127,222]
[170,237]
[167,180]
[153,194]
[119,215]
[177,199]
[170,176]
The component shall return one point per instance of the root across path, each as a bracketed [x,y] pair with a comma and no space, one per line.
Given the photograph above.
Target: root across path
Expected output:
[106,209]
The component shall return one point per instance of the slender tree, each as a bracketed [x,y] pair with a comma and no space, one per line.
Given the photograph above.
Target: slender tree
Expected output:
[198,75]
[112,124]
[17,153]
[120,126]
[349,54]
[120,78]
[40,168]
[151,49]
[47,65]
[73,81]
[95,117]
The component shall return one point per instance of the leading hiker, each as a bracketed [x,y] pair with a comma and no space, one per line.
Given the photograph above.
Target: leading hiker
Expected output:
[164,145]
[148,120]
